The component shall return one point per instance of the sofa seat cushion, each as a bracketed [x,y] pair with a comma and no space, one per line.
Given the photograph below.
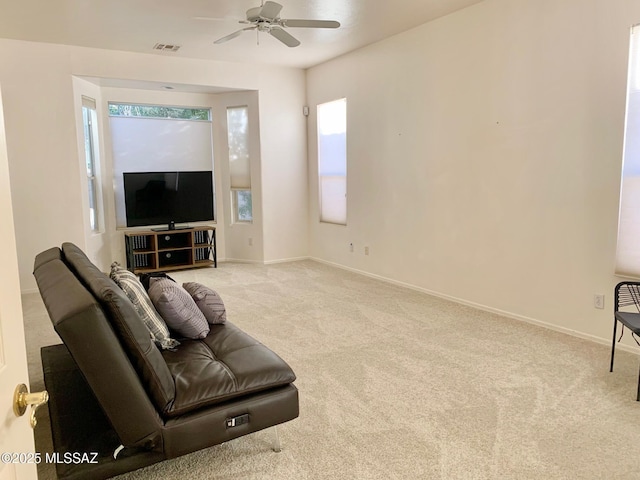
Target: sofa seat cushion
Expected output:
[226,364]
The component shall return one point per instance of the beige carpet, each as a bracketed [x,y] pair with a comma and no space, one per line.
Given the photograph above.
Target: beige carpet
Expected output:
[396,384]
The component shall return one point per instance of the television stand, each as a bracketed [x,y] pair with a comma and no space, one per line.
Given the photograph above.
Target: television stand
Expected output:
[163,250]
[169,229]
[170,226]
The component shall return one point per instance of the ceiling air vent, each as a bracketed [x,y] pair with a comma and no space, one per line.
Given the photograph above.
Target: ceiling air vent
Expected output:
[166,47]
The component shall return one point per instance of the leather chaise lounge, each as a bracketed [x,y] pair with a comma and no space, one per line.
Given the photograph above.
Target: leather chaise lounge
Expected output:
[158,404]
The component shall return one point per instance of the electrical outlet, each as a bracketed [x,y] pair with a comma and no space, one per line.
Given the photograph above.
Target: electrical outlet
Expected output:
[366,250]
[250,242]
[351,247]
[598,301]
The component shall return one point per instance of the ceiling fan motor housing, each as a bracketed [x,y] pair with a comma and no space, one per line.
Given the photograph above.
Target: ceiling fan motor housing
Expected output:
[253,14]
[264,26]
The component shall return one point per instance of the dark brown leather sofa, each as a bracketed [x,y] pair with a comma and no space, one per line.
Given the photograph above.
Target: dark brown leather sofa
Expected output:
[165,403]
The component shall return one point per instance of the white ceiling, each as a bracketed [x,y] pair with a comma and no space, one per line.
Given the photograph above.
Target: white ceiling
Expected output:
[137,25]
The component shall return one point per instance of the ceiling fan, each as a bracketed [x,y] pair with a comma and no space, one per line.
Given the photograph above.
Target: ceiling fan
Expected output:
[266,18]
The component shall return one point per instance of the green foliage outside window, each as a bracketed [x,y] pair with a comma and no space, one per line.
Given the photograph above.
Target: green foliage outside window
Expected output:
[245,209]
[158,111]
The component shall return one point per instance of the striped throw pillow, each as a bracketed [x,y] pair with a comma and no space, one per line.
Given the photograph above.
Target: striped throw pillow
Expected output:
[134,290]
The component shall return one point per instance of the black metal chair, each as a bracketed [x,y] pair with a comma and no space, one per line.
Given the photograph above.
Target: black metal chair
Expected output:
[627,294]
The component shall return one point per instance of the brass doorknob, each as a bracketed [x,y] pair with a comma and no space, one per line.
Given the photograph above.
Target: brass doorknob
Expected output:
[22,399]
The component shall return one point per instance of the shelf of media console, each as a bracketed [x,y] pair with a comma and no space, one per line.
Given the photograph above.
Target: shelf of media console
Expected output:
[150,251]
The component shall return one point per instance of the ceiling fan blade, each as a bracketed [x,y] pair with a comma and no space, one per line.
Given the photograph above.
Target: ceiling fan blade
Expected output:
[233,35]
[270,10]
[285,37]
[309,23]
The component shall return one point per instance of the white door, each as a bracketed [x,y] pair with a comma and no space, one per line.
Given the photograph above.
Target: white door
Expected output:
[16,436]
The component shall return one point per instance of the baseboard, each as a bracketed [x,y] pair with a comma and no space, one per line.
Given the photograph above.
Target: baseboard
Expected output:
[286,260]
[242,260]
[267,262]
[485,308]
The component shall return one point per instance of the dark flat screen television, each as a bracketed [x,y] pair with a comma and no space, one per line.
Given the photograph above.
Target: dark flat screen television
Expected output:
[167,198]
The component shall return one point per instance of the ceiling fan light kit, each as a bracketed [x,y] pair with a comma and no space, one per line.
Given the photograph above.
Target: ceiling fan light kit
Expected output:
[266,18]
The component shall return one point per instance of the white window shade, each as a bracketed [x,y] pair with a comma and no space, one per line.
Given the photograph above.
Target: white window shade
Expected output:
[628,249]
[333,193]
[156,145]
[238,137]
[88,102]
[332,161]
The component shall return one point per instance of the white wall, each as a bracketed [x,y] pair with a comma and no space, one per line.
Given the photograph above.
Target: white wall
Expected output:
[43,144]
[42,149]
[484,157]
[284,182]
[244,241]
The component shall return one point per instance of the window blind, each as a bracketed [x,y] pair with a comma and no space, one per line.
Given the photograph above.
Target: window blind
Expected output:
[238,137]
[628,248]
[88,102]
[332,161]
[142,144]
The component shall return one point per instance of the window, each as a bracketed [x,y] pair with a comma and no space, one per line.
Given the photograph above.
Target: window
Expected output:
[158,111]
[241,203]
[90,123]
[332,161]
[628,249]
[157,138]
[239,164]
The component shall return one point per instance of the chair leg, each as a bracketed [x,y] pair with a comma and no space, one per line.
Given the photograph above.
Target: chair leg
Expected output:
[613,343]
[638,395]
[117,451]
[276,440]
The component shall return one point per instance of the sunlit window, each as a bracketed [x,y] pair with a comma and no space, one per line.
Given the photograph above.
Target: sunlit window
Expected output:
[239,164]
[628,250]
[90,123]
[332,161]
[158,111]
